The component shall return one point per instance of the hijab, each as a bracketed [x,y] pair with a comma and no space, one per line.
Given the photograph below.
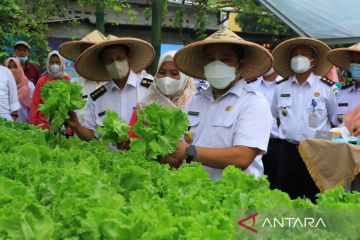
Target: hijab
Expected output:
[22,82]
[60,74]
[180,99]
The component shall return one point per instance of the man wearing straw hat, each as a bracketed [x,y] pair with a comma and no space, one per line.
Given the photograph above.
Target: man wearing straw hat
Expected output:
[229,122]
[303,103]
[117,61]
[347,59]
[72,50]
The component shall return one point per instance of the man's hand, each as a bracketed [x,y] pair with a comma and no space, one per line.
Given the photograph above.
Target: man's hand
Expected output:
[14,116]
[73,122]
[356,130]
[171,161]
[180,152]
[124,145]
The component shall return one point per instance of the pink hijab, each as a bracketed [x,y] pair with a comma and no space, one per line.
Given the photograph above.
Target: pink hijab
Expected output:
[352,118]
[22,82]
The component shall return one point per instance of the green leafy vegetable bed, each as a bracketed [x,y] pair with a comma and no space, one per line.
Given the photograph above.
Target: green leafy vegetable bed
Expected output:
[79,190]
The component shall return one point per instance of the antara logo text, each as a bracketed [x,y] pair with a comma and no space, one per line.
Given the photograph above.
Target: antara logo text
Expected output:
[283,222]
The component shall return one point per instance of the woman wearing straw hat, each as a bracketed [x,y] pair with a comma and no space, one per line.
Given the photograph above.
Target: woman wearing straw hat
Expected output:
[229,122]
[303,103]
[117,61]
[72,50]
[347,59]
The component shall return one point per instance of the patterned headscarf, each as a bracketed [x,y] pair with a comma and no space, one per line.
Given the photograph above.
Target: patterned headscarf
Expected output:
[180,99]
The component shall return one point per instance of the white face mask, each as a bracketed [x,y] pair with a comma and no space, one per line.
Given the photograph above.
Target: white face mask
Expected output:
[219,74]
[55,68]
[118,69]
[300,64]
[169,86]
[271,71]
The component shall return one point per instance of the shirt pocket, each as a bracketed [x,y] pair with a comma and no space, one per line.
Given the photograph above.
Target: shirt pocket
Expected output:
[341,109]
[225,119]
[194,122]
[284,106]
[222,129]
[99,118]
[319,109]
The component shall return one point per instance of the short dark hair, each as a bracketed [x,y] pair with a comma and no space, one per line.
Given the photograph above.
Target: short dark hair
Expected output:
[123,46]
[238,49]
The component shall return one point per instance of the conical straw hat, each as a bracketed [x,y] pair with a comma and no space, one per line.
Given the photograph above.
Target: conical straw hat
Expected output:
[90,66]
[340,57]
[257,60]
[71,50]
[282,58]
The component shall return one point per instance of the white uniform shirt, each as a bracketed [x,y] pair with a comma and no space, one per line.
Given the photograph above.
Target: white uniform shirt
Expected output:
[87,88]
[23,112]
[292,103]
[123,101]
[9,101]
[347,99]
[267,88]
[241,117]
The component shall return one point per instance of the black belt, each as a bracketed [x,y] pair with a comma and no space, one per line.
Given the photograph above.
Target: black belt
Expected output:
[274,140]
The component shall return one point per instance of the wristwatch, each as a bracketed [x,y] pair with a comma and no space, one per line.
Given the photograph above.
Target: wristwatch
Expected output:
[190,153]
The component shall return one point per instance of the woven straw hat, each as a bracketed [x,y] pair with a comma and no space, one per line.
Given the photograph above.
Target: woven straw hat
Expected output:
[71,50]
[257,60]
[90,66]
[341,56]
[282,58]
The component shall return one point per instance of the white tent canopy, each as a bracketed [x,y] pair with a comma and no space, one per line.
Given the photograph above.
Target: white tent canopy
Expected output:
[332,21]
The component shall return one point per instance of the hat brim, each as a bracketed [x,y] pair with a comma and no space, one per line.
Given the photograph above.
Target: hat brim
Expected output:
[256,62]
[90,66]
[23,44]
[71,50]
[282,57]
[340,57]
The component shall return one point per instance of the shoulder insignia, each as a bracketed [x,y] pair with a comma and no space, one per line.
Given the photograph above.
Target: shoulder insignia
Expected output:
[97,93]
[146,82]
[327,81]
[251,81]
[282,80]
[348,85]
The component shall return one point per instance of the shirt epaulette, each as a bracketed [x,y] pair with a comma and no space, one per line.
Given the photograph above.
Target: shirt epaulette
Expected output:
[146,82]
[327,81]
[251,81]
[97,93]
[282,80]
[348,85]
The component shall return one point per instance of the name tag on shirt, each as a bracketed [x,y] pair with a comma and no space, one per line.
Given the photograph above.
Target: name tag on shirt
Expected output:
[343,104]
[191,113]
[313,120]
[285,95]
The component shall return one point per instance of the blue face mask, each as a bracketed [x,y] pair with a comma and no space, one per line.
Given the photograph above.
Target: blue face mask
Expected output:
[23,59]
[355,71]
